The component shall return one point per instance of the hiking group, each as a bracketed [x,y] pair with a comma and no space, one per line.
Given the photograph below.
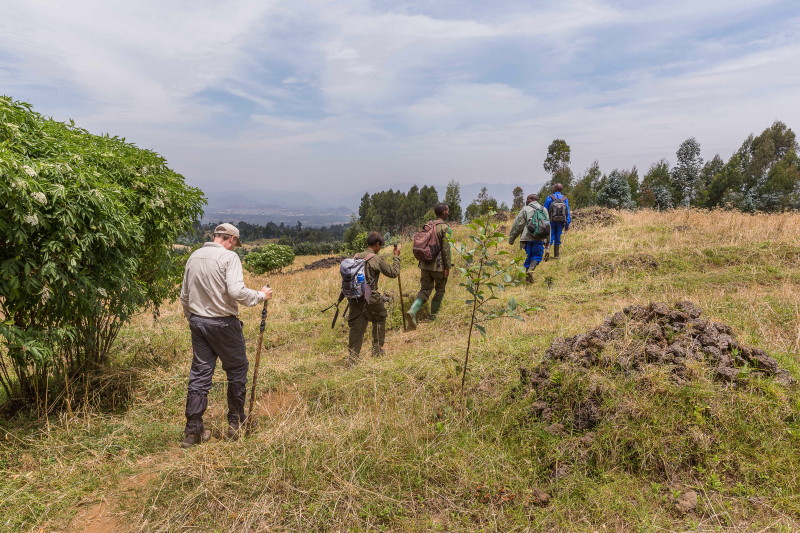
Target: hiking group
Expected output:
[213,286]
[540,226]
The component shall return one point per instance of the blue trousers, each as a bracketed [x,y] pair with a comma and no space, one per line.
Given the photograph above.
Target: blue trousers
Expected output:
[534,251]
[555,232]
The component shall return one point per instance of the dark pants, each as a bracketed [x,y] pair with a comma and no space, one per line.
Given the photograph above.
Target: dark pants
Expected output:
[214,338]
[362,312]
[534,251]
[556,228]
[430,280]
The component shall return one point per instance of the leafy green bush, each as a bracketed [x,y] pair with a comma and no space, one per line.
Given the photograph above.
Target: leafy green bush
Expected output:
[87,222]
[357,244]
[268,259]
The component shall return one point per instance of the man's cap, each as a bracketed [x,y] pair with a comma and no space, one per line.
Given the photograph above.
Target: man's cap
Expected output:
[227,229]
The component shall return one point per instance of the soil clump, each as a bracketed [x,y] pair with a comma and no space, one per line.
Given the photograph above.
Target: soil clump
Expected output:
[585,217]
[676,338]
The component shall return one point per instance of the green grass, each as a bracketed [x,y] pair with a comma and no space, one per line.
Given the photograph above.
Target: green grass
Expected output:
[392,445]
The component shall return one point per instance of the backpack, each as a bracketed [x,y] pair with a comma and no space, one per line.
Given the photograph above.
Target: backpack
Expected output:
[558,209]
[426,244]
[537,226]
[351,270]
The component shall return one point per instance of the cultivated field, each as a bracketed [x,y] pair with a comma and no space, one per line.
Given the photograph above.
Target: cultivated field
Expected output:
[393,445]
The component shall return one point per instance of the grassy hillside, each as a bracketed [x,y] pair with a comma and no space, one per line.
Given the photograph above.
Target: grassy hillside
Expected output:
[392,445]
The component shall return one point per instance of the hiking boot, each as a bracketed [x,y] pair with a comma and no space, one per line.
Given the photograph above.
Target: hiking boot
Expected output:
[352,359]
[378,352]
[236,430]
[529,277]
[193,439]
[557,251]
[546,254]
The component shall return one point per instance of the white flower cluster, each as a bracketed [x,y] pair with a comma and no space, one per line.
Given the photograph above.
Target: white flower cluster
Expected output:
[29,171]
[45,294]
[102,292]
[33,220]
[158,202]
[40,197]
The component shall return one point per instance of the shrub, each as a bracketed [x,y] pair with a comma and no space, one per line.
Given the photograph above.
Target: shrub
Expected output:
[87,222]
[268,259]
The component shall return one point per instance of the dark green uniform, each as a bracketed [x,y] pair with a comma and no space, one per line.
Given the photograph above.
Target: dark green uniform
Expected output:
[432,272]
[373,311]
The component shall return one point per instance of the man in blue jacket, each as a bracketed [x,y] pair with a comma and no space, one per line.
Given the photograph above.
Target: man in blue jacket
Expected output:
[557,206]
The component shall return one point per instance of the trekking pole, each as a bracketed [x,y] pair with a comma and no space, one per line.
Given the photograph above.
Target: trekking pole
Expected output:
[258,360]
[402,305]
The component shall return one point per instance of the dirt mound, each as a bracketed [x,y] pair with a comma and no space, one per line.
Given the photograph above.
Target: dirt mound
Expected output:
[503,216]
[675,336]
[325,262]
[628,263]
[638,337]
[592,216]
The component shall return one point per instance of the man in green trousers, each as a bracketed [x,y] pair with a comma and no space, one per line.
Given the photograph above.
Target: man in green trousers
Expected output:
[370,308]
[434,274]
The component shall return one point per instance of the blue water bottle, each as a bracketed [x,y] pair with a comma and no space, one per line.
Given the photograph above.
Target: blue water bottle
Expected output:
[360,277]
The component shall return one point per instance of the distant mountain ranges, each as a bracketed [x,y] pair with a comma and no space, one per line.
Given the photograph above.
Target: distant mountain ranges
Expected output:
[290,207]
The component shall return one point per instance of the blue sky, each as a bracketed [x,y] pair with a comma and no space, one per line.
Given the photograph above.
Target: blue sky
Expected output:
[330,97]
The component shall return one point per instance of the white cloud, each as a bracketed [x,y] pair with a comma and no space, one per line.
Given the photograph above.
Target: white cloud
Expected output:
[329,93]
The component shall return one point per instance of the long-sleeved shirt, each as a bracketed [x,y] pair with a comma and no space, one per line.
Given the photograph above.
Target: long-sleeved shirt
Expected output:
[520,226]
[566,201]
[377,265]
[213,283]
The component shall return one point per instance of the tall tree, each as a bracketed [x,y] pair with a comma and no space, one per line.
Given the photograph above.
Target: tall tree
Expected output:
[452,197]
[686,173]
[558,156]
[585,191]
[481,205]
[557,164]
[616,191]
[519,201]
[632,176]
[763,175]
[656,188]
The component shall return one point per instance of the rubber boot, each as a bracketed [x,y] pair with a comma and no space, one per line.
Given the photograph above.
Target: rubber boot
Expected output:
[547,253]
[412,313]
[435,306]
[556,251]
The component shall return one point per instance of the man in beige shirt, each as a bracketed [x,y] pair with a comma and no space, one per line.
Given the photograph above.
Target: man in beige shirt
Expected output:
[213,287]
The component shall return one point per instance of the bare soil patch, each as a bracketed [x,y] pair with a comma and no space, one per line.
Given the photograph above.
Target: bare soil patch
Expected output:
[97,518]
[326,262]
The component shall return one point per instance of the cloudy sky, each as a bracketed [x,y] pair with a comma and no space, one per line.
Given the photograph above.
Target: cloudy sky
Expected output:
[331,96]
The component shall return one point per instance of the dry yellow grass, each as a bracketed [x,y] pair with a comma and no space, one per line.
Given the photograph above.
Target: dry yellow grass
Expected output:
[390,445]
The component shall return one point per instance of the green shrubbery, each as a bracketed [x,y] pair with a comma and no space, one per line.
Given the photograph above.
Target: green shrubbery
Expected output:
[87,224]
[268,259]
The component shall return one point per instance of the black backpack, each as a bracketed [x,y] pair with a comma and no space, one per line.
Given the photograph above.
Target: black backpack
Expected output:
[558,209]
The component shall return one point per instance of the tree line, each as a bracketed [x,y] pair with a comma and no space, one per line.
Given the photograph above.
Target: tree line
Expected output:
[762,175]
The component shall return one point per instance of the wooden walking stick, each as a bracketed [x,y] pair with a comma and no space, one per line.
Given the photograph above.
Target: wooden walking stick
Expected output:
[402,305]
[249,421]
